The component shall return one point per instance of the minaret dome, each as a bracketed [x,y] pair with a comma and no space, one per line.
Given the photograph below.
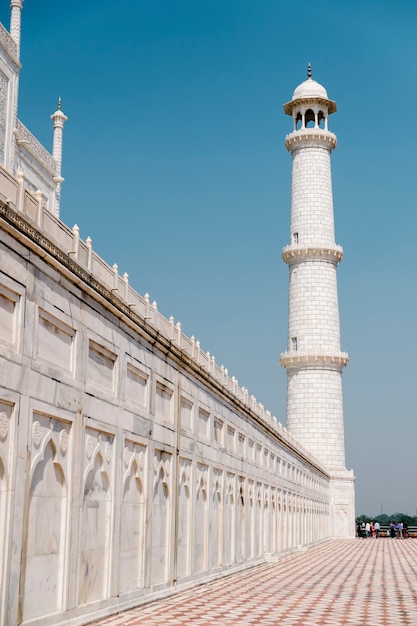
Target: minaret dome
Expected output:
[310,105]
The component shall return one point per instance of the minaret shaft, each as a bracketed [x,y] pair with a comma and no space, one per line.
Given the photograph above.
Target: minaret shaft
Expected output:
[311,196]
[314,361]
[313,310]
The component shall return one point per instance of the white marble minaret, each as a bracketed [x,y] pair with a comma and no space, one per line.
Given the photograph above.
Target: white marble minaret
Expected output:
[314,361]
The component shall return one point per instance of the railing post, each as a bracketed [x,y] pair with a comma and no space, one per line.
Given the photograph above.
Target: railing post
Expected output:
[39,198]
[146,298]
[155,313]
[75,241]
[115,277]
[89,243]
[20,204]
[126,281]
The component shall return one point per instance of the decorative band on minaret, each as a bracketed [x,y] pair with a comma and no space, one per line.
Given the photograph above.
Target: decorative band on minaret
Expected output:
[314,361]
[15,22]
[58,119]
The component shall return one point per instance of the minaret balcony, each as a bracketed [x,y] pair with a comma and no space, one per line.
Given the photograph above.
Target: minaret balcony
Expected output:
[297,253]
[316,137]
[297,359]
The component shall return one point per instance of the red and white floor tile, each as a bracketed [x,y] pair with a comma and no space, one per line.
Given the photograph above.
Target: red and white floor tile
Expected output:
[358,582]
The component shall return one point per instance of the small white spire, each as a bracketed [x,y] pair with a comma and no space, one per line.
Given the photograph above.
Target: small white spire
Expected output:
[58,118]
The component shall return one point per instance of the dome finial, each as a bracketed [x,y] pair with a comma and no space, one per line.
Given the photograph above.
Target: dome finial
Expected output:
[59,103]
[309,70]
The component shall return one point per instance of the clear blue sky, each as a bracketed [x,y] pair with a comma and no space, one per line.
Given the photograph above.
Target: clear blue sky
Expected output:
[175,165]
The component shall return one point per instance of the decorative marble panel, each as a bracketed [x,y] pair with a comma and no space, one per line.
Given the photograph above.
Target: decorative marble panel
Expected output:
[136,385]
[251,518]
[229,516]
[6,413]
[240,520]
[216,514]
[163,404]
[55,341]
[203,423]
[231,439]
[96,515]
[242,444]
[101,366]
[201,519]
[132,518]
[184,518]
[186,413]
[5,442]
[161,517]
[219,431]
[251,450]
[259,455]
[47,520]
[9,303]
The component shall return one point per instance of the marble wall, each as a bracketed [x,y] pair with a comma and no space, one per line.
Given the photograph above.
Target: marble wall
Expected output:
[126,468]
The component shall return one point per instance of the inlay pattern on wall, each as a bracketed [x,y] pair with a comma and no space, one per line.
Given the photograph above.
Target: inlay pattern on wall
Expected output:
[4,425]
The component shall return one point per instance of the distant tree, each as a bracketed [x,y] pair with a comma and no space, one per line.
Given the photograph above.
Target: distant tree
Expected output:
[385,519]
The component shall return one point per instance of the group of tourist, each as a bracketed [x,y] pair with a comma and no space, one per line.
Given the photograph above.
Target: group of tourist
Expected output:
[373,529]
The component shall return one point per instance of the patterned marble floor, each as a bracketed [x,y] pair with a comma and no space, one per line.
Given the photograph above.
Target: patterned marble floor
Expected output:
[361,582]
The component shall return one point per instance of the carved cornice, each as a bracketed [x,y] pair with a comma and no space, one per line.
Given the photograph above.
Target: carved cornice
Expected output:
[298,360]
[297,253]
[310,101]
[311,137]
[28,142]
[9,46]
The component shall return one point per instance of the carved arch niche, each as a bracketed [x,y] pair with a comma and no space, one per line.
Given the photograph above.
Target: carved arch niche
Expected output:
[201,520]
[240,519]
[250,528]
[96,516]
[6,411]
[216,519]
[44,569]
[161,517]
[132,519]
[184,518]
[229,520]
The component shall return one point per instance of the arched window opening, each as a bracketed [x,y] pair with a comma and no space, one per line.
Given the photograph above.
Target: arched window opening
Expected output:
[321,119]
[310,119]
[298,121]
